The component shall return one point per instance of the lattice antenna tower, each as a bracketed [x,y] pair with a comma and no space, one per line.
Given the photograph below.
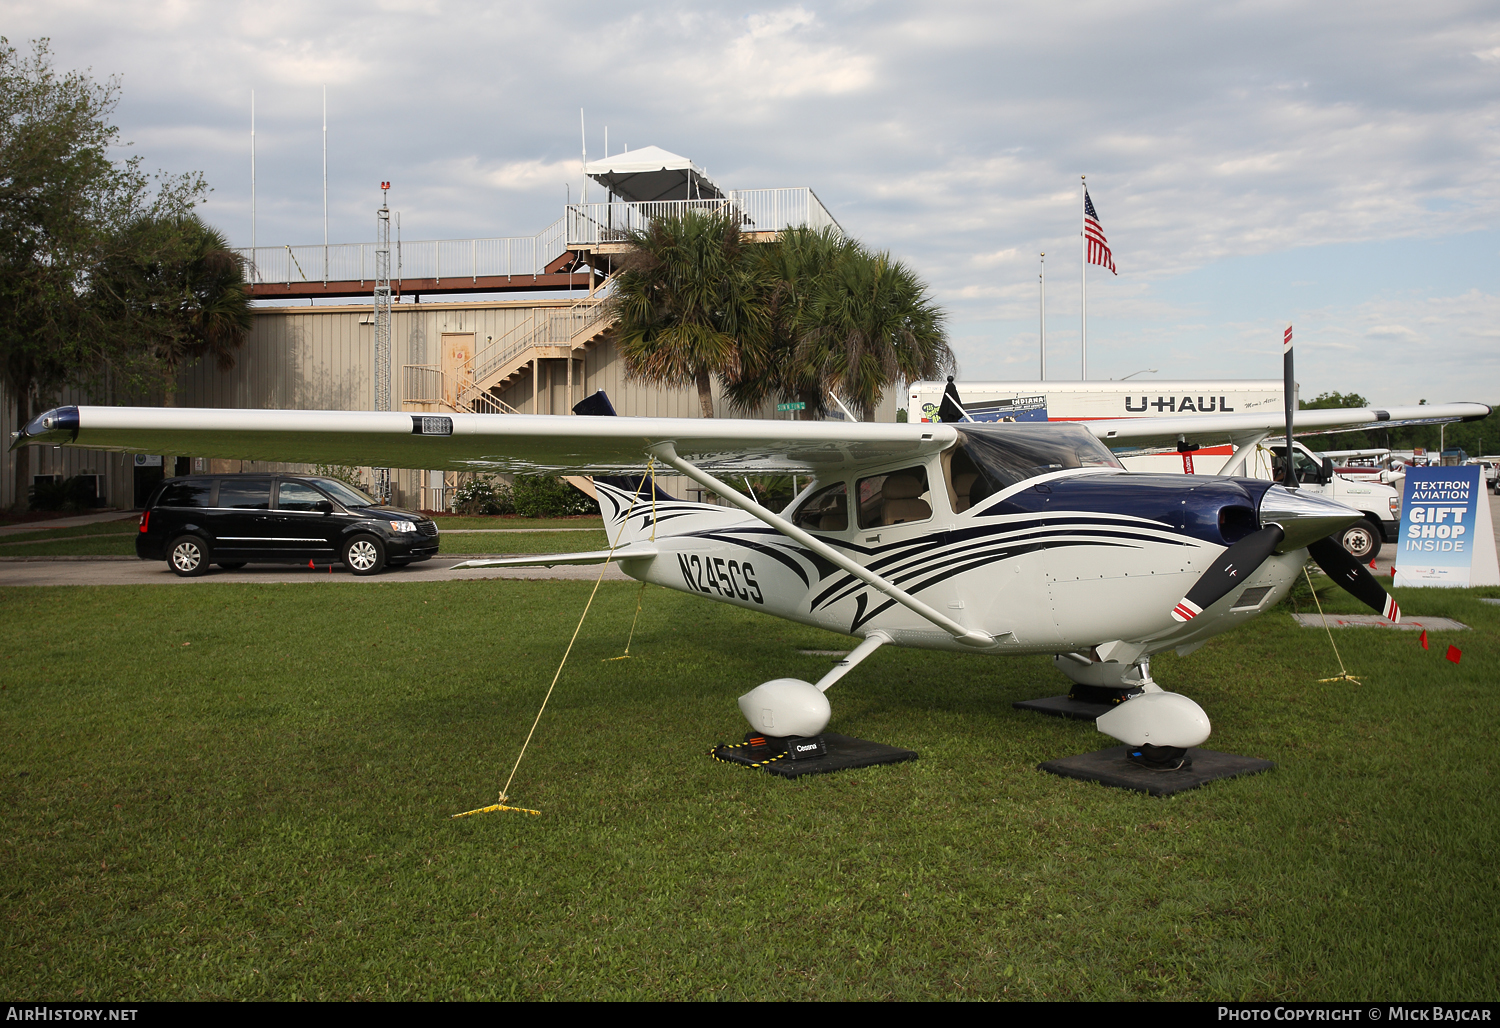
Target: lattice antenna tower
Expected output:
[383,327]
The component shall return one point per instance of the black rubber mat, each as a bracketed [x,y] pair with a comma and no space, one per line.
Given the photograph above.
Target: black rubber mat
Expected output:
[1064,706]
[1111,767]
[844,753]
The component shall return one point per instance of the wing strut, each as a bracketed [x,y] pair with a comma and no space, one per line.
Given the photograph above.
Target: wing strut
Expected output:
[667,453]
[1242,455]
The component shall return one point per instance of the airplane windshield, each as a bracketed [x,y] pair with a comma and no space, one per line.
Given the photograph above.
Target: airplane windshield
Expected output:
[989,458]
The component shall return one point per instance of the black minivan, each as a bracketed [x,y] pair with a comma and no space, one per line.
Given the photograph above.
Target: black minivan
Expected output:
[234,520]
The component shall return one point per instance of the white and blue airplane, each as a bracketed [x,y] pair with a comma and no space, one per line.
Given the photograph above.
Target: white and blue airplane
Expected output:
[1000,539]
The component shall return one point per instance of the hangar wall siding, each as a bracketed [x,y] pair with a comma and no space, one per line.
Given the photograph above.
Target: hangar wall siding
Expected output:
[322,358]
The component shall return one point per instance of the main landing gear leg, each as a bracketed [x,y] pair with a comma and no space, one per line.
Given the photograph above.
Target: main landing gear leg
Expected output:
[790,706]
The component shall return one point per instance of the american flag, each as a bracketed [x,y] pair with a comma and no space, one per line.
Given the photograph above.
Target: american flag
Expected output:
[1098,246]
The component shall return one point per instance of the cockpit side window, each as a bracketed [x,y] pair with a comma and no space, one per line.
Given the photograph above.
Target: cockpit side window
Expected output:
[895,498]
[967,484]
[826,510]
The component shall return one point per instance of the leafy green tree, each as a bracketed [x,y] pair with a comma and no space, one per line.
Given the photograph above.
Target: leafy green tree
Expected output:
[62,203]
[181,290]
[688,292]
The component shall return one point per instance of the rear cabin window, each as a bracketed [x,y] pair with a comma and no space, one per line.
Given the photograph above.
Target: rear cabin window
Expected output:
[245,494]
[187,494]
[894,499]
[826,510]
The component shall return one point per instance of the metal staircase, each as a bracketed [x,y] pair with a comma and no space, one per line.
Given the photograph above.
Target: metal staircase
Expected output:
[547,334]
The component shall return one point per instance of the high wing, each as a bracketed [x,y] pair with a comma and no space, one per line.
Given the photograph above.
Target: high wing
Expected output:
[520,443]
[523,443]
[1145,434]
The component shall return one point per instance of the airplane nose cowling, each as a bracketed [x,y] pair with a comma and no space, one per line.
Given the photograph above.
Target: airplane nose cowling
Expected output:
[1304,517]
[786,706]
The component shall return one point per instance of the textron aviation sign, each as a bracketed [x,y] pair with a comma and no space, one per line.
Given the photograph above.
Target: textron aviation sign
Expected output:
[1447,538]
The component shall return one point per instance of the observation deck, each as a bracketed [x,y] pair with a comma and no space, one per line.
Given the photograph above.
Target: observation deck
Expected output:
[573,252]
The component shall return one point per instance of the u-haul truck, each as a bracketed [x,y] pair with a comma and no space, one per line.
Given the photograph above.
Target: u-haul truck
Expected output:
[1091,401]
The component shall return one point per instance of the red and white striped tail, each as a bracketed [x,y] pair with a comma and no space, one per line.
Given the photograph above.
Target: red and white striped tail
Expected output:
[1186,610]
[1392,612]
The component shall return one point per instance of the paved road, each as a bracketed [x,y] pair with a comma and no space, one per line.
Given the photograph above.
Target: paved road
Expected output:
[128,571]
[139,572]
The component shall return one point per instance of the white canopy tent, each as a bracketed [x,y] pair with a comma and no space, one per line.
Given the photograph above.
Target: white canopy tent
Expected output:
[651,173]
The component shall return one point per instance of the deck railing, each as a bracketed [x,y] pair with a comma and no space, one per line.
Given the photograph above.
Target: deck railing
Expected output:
[582,225]
[758,210]
[417,259]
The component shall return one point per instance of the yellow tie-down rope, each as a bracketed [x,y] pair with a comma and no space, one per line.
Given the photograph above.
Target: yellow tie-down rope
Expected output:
[1343,675]
[500,803]
[641,594]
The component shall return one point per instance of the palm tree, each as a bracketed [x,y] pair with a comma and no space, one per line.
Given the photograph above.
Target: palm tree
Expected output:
[688,292]
[870,324]
[792,269]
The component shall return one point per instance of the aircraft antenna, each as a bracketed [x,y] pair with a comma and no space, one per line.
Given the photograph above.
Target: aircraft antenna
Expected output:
[383,327]
[1043,277]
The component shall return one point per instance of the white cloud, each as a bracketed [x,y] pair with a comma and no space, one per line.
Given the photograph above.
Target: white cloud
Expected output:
[951,134]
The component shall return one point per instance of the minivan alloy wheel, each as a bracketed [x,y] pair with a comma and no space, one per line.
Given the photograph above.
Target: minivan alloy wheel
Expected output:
[188,556]
[364,555]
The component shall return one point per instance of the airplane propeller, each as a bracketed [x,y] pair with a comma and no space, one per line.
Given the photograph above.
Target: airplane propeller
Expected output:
[1236,564]
[1289,399]
[1345,569]
[1234,567]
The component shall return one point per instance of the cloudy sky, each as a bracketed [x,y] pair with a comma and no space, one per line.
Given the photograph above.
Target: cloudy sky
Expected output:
[1252,162]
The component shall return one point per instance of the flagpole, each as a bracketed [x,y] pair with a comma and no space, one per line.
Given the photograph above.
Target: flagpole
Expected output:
[1083,273]
[1044,317]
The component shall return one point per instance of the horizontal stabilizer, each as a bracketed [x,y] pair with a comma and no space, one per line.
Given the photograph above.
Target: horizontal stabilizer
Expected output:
[634,551]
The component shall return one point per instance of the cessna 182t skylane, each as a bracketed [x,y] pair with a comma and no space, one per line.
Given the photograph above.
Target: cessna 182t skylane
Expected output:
[1025,538]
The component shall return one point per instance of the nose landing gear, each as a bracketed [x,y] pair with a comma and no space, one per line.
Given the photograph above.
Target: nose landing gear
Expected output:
[1162,731]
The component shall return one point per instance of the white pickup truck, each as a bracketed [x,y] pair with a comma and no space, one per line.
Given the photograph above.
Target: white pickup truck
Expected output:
[1379,501]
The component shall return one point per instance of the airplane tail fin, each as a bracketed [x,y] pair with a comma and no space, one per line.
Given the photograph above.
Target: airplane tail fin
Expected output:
[621,498]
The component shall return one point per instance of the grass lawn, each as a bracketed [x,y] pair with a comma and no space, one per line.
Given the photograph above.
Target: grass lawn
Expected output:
[523,542]
[111,543]
[242,791]
[444,523]
[128,526]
